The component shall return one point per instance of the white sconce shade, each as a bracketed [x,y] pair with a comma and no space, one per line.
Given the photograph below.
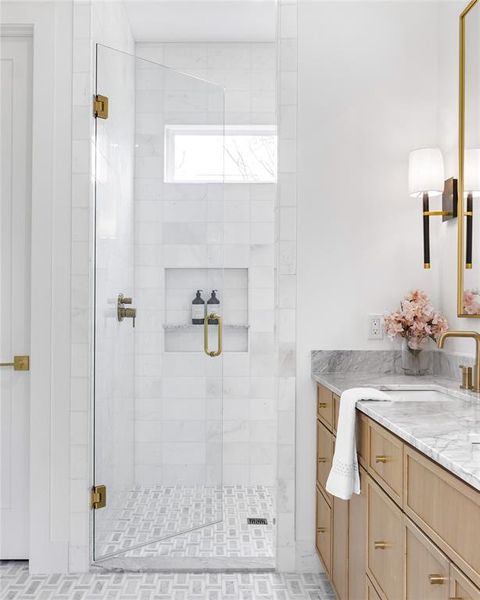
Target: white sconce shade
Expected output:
[425,172]
[471,172]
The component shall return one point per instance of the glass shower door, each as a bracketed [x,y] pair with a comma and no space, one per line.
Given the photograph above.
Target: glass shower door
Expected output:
[159,230]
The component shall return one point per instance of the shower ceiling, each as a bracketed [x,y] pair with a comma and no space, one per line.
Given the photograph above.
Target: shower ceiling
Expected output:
[202,20]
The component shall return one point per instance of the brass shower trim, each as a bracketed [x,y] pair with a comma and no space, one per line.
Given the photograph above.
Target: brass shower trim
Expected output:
[125,313]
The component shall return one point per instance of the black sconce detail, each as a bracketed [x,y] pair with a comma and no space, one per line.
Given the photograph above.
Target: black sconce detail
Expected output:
[469,231]
[449,211]
[426,231]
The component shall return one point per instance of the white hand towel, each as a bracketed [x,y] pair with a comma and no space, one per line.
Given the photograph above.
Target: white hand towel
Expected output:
[344,479]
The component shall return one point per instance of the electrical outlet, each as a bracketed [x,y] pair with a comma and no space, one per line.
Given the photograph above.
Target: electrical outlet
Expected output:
[375,327]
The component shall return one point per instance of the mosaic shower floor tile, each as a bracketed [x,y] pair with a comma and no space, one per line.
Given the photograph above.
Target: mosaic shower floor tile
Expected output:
[167,522]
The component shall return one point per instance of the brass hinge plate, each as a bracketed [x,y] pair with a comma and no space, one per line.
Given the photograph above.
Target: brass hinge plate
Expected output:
[100,106]
[99,496]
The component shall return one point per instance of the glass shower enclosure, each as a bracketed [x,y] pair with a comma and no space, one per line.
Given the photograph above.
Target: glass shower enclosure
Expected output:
[158,239]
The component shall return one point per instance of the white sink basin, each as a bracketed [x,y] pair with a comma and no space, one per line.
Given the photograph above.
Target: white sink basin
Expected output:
[418,396]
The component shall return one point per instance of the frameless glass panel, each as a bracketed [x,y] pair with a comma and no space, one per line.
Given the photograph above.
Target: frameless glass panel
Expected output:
[158,377]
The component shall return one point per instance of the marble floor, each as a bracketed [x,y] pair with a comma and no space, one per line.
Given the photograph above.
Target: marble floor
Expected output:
[167,522]
[17,584]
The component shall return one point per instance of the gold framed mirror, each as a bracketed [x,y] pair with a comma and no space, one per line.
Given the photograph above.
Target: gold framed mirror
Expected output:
[468,285]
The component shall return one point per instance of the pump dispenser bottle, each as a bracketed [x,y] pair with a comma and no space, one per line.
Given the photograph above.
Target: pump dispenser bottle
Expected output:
[213,306]
[198,309]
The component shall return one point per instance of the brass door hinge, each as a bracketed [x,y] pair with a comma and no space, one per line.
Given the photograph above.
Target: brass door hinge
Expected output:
[99,496]
[100,106]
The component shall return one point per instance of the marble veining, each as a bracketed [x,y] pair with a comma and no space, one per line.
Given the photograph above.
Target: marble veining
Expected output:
[384,362]
[445,430]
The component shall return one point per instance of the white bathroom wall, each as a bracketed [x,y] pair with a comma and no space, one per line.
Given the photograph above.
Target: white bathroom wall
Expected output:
[178,226]
[368,93]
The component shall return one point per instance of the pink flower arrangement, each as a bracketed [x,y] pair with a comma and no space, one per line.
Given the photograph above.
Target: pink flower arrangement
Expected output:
[416,321]
[471,302]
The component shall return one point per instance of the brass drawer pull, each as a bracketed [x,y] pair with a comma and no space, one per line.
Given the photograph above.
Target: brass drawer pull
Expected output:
[321,530]
[381,458]
[436,579]
[322,404]
[322,459]
[381,545]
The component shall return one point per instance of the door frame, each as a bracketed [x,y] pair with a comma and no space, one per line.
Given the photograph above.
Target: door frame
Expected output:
[50,276]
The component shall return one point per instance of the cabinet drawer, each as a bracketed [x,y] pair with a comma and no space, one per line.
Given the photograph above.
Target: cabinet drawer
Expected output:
[325,406]
[460,587]
[325,443]
[446,509]
[385,460]
[385,543]
[324,531]
[427,573]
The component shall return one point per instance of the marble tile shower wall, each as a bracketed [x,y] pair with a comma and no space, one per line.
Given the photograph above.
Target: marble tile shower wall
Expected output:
[181,226]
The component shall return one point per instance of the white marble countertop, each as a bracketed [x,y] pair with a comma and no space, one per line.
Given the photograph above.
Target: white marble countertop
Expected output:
[442,429]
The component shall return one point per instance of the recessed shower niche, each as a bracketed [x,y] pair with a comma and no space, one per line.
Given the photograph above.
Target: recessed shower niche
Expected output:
[231,287]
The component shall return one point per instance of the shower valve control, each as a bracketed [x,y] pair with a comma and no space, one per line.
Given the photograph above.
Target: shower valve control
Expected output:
[125,313]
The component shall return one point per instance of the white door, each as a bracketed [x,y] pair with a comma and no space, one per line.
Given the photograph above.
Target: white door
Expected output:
[15,203]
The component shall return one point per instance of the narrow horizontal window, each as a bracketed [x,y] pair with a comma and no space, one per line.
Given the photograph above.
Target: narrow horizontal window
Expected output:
[213,154]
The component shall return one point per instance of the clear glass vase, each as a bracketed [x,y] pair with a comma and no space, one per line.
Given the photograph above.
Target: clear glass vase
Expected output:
[415,362]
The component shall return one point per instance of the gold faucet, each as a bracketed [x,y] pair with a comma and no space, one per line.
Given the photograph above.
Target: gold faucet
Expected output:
[475,386]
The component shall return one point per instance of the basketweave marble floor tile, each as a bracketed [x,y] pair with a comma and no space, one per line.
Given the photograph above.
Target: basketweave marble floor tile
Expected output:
[167,521]
[17,584]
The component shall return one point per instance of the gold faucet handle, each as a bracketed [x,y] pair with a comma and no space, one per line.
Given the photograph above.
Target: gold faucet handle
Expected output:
[467,377]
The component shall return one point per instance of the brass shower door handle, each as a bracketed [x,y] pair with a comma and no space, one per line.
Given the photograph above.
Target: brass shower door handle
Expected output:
[218,318]
[20,363]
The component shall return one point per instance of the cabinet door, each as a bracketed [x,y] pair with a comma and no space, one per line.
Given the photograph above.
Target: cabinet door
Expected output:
[427,567]
[340,548]
[385,460]
[446,509]
[357,541]
[325,443]
[386,543]
[325,406]
[324,531]
[462,588]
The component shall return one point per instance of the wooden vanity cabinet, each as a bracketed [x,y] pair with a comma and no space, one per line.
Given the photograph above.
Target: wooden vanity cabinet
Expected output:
[385,543]
[325,447]
[427,569]
[357,541]
[340,547]
[323,534]
[414,531]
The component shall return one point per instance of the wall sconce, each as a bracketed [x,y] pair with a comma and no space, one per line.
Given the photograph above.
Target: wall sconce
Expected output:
[471,190]
[426,180]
